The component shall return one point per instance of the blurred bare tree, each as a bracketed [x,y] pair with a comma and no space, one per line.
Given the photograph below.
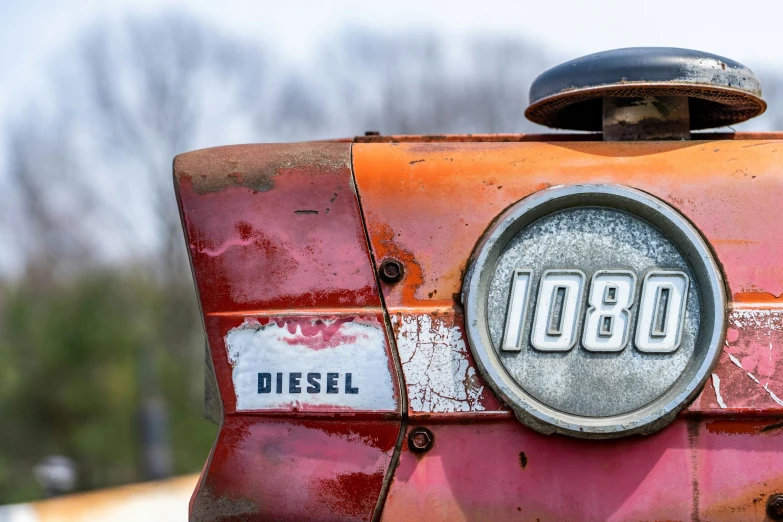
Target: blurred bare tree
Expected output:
[412,83]
[772,119]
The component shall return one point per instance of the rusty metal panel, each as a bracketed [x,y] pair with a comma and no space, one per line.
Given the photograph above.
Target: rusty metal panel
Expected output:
[307,377]
[549,137]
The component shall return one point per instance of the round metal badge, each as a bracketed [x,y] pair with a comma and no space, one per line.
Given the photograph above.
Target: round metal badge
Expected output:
[595,311]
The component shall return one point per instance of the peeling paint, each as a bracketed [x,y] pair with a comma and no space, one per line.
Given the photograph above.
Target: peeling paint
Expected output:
[347,356]
[765,386]
[214,252]
[255,167]
[757,319]
[750,370]
[716,385]
[434,356]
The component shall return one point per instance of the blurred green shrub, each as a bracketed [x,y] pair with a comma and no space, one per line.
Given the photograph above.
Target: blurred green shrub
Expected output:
[72,377]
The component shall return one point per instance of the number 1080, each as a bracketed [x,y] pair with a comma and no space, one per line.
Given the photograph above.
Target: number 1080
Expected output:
[607,317]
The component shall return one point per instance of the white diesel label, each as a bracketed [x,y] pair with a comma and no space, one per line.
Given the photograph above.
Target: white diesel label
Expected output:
[308,363]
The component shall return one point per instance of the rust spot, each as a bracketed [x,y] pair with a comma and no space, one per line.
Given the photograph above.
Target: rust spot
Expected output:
[352,494]
[742,427]
[244,229]
[522,460]
[208,506]
[757,296]
[371,434]
[693,442]
[413,277]
[253,166]
[749,503]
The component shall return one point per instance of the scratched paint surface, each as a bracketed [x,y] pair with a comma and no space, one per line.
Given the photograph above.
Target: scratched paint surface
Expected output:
[441,375]
[430,214]
[349,351]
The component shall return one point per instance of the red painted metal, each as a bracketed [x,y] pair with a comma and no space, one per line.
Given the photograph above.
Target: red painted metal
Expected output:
[275,227]
[692,470]
[275,234]
[749,375]
[292,470]
[427,204]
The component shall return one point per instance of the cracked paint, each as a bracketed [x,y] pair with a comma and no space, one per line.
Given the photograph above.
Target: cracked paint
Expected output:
[765,385]
[749,374]
[438,373]
[716,385]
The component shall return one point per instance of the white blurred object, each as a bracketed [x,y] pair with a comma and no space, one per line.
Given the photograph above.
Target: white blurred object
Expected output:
[56,474]
[164,500]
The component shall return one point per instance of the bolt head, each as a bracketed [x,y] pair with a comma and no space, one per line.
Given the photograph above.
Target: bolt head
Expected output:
[420,439]
[775,507]
[391,270]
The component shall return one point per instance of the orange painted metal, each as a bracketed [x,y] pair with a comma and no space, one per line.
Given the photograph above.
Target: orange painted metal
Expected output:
[428,203]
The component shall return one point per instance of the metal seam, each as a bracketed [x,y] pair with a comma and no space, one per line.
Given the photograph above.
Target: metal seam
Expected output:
[403,395]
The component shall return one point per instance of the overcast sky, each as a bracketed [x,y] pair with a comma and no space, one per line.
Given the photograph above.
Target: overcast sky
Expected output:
[32,32]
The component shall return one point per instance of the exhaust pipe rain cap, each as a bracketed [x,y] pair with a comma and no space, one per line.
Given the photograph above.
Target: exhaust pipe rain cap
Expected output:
[692,89]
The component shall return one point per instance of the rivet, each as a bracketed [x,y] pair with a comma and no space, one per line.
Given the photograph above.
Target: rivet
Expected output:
[420,439]
[775,507]
[391,270]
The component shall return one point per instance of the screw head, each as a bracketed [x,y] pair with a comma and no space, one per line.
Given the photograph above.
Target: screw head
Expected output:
[391,270]
[775,507]
[420,439]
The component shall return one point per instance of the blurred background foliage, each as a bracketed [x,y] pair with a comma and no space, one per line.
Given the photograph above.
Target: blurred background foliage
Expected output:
[101,345]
